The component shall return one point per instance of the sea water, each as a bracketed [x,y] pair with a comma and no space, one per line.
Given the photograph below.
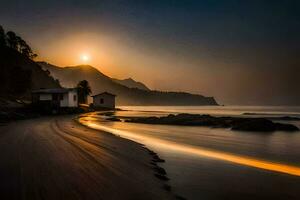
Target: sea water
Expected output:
[218,163]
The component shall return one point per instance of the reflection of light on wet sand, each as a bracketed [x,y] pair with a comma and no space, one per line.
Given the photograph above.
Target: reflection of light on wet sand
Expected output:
[238,159]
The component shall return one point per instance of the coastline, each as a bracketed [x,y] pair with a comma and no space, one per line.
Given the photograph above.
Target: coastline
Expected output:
[193,170]
[58,158]
[157,171]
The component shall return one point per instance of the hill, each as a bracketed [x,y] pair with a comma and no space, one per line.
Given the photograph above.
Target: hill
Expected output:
[19,75]
[70,76]
[129,82]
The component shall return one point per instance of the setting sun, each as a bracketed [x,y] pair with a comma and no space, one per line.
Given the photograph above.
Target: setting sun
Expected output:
[85,57]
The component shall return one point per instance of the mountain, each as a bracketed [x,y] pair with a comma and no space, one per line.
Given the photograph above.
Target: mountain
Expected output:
[19,75]
[129,82]
[70,76]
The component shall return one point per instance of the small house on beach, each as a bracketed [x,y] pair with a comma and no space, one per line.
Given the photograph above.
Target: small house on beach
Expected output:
[55,97]
[104,100]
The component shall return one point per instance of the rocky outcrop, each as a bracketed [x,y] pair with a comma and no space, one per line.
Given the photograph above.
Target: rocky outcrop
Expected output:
[235,123]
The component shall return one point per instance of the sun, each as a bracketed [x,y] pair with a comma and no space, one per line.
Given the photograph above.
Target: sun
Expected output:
[85,57]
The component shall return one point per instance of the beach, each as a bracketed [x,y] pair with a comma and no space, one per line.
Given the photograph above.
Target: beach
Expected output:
[57,158]
[91,157]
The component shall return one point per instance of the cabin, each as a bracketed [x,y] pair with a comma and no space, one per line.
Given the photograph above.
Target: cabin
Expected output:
[55,98]
[104,100]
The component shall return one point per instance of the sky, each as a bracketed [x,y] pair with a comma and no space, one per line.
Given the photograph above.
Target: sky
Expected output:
[241,52]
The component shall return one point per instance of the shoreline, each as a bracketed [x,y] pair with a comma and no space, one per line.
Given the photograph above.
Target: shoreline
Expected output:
[60,158]
[196,157]
[159,172]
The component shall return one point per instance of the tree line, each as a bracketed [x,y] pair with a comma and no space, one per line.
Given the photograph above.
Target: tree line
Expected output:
[12,40]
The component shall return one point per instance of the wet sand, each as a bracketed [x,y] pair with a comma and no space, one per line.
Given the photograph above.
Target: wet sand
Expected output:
[57,158]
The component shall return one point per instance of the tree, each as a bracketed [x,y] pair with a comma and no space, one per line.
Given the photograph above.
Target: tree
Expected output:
[17,43]
[2,37]
[12,40]
[25,49]
[84,90]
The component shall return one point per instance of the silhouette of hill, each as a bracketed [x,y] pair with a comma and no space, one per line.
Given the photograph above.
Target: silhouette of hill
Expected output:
[70,76]
[19,75]
[129,82]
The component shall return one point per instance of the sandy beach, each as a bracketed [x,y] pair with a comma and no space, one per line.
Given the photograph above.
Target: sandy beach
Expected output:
[57,158]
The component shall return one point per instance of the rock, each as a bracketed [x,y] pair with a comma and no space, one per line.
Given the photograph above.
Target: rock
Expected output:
[114,119]
[262,125]
[160,170]
[286,127]
[235,123]
[162,177]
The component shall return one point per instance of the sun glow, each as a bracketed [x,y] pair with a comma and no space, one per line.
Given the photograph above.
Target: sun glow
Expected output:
[85,57]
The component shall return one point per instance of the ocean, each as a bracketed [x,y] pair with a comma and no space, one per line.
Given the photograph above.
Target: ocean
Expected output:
[217,163]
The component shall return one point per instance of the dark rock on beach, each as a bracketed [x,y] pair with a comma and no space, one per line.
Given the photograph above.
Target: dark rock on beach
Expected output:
[162,177]
[114,119]
[235,123]
[283,118]
[261,124]
[286,127]
[160,170]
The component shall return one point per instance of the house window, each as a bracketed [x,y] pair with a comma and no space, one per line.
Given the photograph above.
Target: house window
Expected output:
[61,97]
[74,97]
[101,101]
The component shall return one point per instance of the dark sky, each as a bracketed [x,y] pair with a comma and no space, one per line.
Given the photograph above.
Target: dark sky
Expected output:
[241,52]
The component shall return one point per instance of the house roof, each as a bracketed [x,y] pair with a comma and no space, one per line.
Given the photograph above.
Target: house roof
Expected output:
[53,91]
[105,93]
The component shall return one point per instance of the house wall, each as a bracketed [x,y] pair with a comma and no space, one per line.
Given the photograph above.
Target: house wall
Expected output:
[71,101]
[54,99]
[65,101]
[68,99]
[108,101]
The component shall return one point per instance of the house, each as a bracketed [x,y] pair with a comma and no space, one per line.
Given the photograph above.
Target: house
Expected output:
[55,97]
[104,100]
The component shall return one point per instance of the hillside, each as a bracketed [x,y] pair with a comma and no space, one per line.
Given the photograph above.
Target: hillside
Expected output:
[70,76]
[19,75]
[129,82]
